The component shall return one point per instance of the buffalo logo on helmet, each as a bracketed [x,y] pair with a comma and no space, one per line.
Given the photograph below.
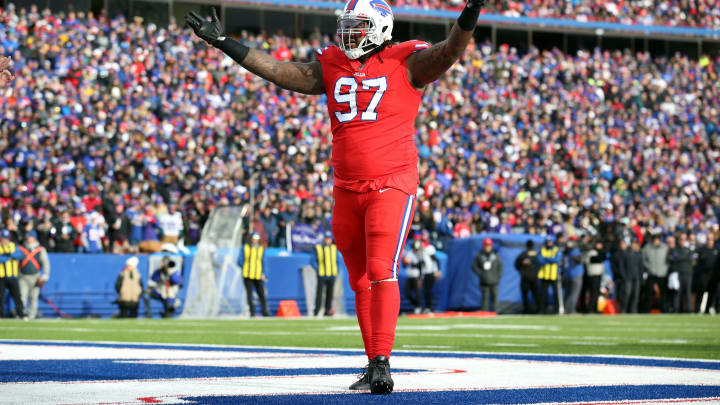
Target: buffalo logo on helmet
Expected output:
[381,7]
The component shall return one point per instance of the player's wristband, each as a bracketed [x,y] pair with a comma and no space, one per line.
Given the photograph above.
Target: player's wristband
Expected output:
[234,49]
[468,18]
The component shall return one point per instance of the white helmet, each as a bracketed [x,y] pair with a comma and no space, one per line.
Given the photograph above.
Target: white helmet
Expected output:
[370,20]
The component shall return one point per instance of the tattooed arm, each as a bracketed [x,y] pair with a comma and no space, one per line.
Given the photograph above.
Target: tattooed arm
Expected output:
[301,77]
[426,66]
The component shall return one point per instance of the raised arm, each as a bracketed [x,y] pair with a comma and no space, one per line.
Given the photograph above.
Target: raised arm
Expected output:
[426,66]
[301,77]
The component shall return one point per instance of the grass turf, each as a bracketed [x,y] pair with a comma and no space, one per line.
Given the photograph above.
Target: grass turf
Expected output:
[683,336]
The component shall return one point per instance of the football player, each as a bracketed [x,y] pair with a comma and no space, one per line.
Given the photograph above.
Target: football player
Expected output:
[374,88]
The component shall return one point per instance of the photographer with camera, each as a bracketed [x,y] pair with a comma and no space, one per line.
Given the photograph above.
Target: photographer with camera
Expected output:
[129,288]
[164,285]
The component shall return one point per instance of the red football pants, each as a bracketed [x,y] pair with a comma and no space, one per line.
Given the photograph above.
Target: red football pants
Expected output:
[370,231]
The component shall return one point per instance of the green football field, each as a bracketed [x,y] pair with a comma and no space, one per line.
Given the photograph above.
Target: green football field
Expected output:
[685,336]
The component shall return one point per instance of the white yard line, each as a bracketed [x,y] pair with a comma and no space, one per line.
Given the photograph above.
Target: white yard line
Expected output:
[513,344]
[351,333]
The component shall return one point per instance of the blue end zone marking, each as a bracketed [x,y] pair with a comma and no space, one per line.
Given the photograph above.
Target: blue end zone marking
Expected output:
[607,360]
[108,369]
[508,396]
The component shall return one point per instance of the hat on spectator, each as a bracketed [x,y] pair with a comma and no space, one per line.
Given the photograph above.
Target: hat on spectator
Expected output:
[255,236]
[487,242]
[132,262]
[31,234]
[4,234]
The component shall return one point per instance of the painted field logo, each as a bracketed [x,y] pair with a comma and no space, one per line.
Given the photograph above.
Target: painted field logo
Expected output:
[86,373]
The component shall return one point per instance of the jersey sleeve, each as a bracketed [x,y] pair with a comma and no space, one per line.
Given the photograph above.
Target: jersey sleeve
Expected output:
[327,54]
[408,48]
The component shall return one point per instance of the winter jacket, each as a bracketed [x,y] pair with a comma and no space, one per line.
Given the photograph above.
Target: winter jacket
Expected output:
[706,263]
[595,262]
[527,264]
[620,263]
[680,260]
[575,266]
[489,267]
[655,259]
[634,265]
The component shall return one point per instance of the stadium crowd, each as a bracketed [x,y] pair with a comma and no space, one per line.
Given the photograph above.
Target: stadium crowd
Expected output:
[693,13]
[116,132]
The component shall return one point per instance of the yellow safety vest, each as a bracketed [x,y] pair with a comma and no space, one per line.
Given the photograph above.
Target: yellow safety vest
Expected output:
[10,267]
[548,271]
[327,260]
[252,265]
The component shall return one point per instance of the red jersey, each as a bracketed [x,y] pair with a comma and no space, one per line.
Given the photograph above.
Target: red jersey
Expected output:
[372,110]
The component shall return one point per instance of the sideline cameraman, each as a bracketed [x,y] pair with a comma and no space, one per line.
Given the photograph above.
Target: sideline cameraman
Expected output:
[164,285]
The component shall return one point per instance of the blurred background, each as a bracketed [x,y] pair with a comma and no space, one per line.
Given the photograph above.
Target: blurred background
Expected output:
[589,125]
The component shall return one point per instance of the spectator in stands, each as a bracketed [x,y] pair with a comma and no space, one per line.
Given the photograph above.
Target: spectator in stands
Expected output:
[170,224]
[595,268]
[6,75]
[129,288]
[655,263]
[550,260]
[253,265]
[527,265]
[92,235]
[270,224]
[488,266]
[573,275]
[508,166]
[118,229]
[164,285]
[64,233]
[633,281]
[9,273]
[708,260]
[34,272]
[680,262]
[44,228]
[326,264]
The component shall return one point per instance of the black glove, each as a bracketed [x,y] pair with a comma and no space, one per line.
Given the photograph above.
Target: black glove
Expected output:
[210,31]
[476,3]
[469,16]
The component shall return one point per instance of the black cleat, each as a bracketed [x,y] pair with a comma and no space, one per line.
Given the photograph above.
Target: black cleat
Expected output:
[380,380]
[363,384]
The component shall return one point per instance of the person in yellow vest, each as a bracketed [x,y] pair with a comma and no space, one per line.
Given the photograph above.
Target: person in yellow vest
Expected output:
[326,264]
[34,272]
[253,276]
[9,271]
[549,261]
